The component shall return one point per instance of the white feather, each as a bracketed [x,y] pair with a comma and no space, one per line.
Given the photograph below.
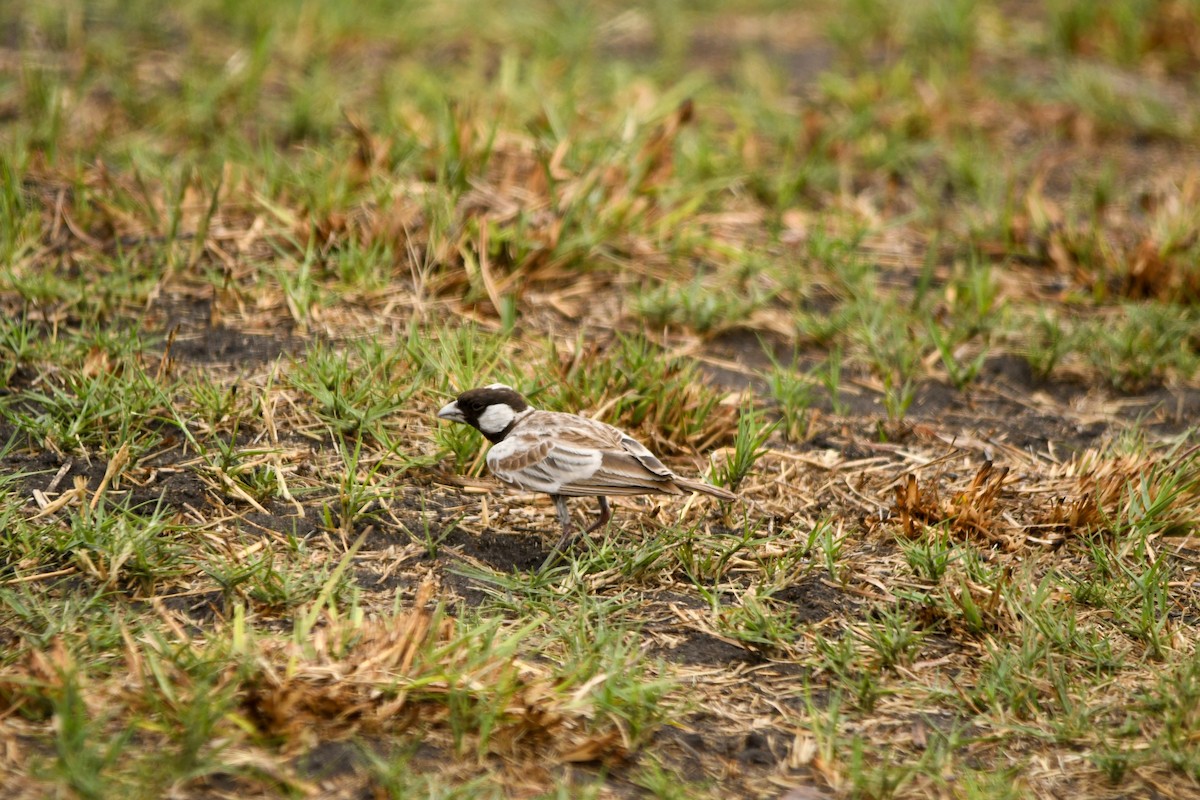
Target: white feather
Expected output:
[562,467]
[496,418]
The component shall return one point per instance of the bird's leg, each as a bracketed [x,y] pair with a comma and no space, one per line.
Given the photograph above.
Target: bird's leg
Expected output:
[605,515]
[568,537]
[564,518]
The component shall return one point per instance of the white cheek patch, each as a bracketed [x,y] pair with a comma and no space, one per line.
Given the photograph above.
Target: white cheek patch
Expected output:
[496,418]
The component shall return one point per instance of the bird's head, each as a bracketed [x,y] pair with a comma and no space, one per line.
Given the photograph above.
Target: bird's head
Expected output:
[492,410]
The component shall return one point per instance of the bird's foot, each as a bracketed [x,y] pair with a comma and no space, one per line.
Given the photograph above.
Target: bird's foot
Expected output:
[605,516]
[569,536]
[560,547]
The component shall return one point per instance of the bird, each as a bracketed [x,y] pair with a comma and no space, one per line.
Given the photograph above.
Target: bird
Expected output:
[565,455]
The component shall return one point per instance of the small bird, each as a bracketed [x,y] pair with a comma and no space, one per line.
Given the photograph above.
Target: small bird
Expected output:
[565,455]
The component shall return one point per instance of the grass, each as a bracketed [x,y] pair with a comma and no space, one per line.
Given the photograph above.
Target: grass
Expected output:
[918,282]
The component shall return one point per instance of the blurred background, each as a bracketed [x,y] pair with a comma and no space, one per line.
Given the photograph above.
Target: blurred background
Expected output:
[1061,133]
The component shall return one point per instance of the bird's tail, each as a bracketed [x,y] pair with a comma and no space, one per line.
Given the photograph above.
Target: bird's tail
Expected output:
[705,488]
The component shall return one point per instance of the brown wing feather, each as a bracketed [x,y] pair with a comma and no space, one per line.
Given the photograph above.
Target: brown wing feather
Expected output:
[524,457]
[622,473]
[626,466]
[647,459]
[586,458]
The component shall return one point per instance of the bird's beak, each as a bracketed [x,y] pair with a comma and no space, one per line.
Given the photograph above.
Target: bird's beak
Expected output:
[450,411]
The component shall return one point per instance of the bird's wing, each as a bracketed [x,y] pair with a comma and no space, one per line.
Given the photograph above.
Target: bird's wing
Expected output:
[574,456]
[645,457]
[541,466]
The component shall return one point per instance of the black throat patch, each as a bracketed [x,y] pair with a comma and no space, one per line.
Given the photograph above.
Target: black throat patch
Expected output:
[497,438]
